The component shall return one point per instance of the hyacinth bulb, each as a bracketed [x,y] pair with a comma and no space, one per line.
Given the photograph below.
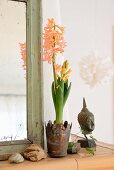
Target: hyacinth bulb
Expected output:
[94,70]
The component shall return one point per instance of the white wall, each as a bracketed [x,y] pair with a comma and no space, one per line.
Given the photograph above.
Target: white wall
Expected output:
[89,27]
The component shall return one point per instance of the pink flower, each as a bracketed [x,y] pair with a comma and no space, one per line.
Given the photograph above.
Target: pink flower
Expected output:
[53,40]
[58,68]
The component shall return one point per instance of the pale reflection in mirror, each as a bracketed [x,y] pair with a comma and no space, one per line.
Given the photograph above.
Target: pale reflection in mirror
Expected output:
[12,71]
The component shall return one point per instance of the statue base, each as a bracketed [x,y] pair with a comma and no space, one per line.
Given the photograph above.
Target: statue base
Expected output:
[90,143]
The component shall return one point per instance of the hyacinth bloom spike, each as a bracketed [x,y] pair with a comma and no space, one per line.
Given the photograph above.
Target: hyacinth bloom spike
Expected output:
[53,44]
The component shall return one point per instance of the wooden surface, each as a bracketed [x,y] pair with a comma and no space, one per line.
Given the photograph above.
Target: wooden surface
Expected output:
[46,164]
[103,160]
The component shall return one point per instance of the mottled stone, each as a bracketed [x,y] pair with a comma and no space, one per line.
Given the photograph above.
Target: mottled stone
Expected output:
[34,153]
[16,158]
[4,157]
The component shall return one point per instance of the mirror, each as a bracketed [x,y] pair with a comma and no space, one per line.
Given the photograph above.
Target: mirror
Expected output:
[89,31]
[12,73]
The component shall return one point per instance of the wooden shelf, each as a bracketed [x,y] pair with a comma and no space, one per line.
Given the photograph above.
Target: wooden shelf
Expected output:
[103,160]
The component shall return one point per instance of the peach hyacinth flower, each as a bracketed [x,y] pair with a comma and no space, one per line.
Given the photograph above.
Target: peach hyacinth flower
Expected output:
[53,40]
[58,68]
[23,54]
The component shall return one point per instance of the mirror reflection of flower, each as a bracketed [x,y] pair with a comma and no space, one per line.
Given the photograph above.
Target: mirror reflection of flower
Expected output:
[23,54]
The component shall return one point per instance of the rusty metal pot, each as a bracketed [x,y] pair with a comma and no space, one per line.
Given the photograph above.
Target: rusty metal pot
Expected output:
[57,138]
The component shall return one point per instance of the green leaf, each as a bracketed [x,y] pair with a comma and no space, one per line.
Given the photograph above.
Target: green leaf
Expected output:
[65,86]
[90,150]
[60,83]
[59,104]
[53,94]
[70,144]
[66,94]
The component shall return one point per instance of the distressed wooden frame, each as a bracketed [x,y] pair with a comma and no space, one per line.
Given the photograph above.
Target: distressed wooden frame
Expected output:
[34,81]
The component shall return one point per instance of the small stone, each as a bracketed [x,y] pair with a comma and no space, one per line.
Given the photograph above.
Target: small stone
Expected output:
[4,157]
[34,153]
[33,147]
[16,158]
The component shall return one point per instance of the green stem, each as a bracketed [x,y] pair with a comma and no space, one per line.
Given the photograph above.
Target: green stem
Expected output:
[54,73]
[59,118]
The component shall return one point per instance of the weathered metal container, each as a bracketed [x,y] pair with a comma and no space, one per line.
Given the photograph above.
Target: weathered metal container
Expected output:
[57,138]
